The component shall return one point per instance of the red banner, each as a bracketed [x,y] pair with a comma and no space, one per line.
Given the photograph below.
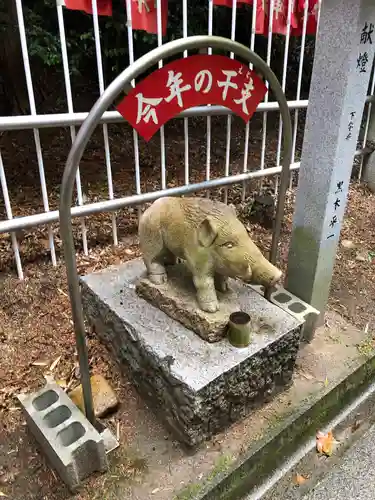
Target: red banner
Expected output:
[144,15]
[192,81]
[104,6]
[280,15]
[312,17]
[224,3]
[229,3]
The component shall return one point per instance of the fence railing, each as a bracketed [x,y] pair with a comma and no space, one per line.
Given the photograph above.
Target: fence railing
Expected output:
[72,119]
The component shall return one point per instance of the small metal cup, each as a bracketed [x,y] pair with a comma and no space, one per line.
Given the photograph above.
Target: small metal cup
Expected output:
[239,329]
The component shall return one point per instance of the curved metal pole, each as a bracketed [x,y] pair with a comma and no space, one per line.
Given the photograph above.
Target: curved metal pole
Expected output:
[84,134]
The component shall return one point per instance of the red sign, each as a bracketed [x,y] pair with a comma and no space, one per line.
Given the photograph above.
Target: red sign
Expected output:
[188,82]
[104,6]
[144,15]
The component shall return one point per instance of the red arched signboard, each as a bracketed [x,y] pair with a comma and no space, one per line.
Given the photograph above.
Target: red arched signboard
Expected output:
[188,82]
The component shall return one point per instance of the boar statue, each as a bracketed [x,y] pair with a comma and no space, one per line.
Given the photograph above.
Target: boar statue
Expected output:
[212,241]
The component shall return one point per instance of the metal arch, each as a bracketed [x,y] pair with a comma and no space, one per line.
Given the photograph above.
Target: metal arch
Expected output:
[83,136]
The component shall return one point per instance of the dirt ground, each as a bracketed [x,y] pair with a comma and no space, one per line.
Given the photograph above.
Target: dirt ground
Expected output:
[35,324]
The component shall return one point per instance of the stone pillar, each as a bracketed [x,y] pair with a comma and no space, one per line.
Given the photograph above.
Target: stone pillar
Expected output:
[342,66]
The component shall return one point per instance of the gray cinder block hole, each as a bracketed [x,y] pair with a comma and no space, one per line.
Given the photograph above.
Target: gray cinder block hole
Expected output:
[282,298]
[297,307]
[71,434]
[45,400]
[57,416]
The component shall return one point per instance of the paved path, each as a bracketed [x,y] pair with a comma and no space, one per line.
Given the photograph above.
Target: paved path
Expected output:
[354,477]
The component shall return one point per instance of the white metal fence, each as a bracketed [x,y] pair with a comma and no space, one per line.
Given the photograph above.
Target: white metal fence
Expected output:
[35,121]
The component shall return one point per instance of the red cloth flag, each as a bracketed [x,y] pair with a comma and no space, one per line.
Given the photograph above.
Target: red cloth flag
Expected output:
[279,18]
[104,6]
[224,3]
[229,3]
[261,27]
[144,15]
[312,17]
[280,15]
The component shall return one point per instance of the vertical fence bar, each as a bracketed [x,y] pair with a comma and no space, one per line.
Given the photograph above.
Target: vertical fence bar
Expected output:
[135,133]
[229,118]
[186,120]
[162,136]
[299,84]
[269,47]
[8,209]
[30,91]
[69,99]
[247,128]
[367,125]
[105,126]
[283,82]
[209,52]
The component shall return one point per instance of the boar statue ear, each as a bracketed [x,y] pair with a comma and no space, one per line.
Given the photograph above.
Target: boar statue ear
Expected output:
[207,232]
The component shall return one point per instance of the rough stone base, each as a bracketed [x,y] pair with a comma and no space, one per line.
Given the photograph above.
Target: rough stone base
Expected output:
[197,388]
[177,298]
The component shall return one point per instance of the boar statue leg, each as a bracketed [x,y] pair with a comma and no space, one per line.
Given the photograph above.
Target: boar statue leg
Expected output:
[221,283]
[206,294]
[154,258]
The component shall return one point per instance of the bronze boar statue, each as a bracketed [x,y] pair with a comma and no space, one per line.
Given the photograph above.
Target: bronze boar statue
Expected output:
[211,240]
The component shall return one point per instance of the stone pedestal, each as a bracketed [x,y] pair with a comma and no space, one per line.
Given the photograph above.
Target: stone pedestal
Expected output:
[177,298]
[197,388]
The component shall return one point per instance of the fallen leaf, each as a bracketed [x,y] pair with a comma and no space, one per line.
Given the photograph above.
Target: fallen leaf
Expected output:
[326,382]
[324,443]
[45,242]
[356,425]
[362,256]
[155,491]
[3,494]
[39,363]
[298,479]
[348,244]
[54,364]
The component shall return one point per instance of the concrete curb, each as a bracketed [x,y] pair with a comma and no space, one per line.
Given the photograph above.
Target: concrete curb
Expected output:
[269,453]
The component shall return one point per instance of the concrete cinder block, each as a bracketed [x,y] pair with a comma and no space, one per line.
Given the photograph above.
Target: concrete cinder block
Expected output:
[296,307]
[70,442]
